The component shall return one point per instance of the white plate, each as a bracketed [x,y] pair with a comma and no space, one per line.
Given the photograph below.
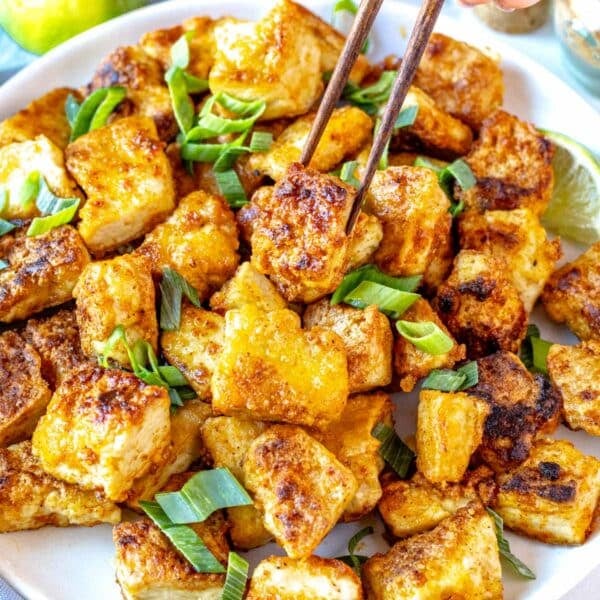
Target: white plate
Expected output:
[76,563]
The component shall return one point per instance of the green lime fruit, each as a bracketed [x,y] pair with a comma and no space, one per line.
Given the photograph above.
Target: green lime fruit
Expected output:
[38,25]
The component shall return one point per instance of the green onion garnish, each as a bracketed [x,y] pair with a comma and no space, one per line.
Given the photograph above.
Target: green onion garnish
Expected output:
[180,51]
[71,109]
[371,98]
[93,111]
[237,575]
[183,107]
[447,380]
[3,264]
[407,116]
[393,450]
[389,301]
[231,188]
[427,336]
[6,226]
[30,188]
[173,287]
[261,141]
[354,560]
[534,350]
[348,6]
[57,211]
[347,173]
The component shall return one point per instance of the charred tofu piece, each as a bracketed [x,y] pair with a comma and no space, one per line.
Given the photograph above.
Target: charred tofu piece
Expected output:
[30,498]
[572,294]
[519,238]
[272,370]
[24,394]
[199,240]
[116,292]
[103,429]
[461,79]
[195,346]
[364,240]
[458,559]
[299,235]
[301,486]
[42,271]
[480,306]
[551,496]
[44,116]
[512,163]
[410,363]
[449,430]
[367,338]
[127,179]
[311,578]
[413,211]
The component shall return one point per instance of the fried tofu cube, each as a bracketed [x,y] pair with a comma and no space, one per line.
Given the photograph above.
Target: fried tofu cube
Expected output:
[480,306]
[299,235]
[301,486]
[30,498]
[512,164]
[364,240]
[367,338]
[103,429]
[410,363]
[44,116]
[413,211]
[458,559]
[116,292]
[195,347]
[127,179]
[449,430]
[272,370]
[461,79]
[311,578]
[572,294]
[42,271]
[551,496]
[24,394]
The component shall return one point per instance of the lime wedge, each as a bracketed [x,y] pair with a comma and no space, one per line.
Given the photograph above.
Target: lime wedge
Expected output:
[574,210]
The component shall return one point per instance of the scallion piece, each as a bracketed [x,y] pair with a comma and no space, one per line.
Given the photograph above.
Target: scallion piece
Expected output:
[231,188]
[447,380]
[389,301]
[427,336]
[6,226]
[173,287]
[235,580]
[71,109]
[195,85]
[393,450]
[41,225]
[534,350]
[227,159]
[113,98]
[370,98]
[242,108]
[3,264]
[407,116]
[347,173]
[85,118]
[183,107]
[354,560]
[30,188]
[180,51]
[261,141]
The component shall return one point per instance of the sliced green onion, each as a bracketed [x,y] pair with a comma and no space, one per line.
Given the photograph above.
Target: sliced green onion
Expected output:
[180,51]
[227,159]
[354,560]
[173,287]
[534,350]
[370,98]
[48,202]
[261,141]
[347,173]
[81,122]
[231,188]
[183,107]
[393,450]
[407,116]
[235,580]
[71,109]
[348,6]
[6,226]
[422,161]
[516,564]
[41,225]
[203,152]
[242,108]
[30,189]
[220,125]
[3,264]
[195,85]
[389,301]
[172,375]
[447,380]
[113,98]
[427,336]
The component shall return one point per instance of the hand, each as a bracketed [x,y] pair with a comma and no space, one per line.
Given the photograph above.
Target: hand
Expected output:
[504,4]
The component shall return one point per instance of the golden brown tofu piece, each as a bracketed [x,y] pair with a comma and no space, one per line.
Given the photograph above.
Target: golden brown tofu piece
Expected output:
[572,294]
[480,306]
[410,363]
[367,338]
[458,559]
[512,164]
[449,430]
[311,578]
[519,238]
[103,429]
[301,486]
[272,370]
[364,240]
[199,240]
[551,496]
[30,498]
[461,79]
[413,211]
[42,271]
[127,179]
[23,392]
[116,292]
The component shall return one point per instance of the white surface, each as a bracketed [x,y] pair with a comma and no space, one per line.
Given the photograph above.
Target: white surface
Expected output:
[65,564]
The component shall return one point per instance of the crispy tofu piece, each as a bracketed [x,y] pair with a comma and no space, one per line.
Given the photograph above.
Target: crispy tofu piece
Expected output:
[449,430]
[56,338]
[410,363]
[272,370]
[347,131]
[413,211]
[30,498]
[103,429]
[43,116]
[519,238]
[572,294]
[364,240]
[194,347]
[311,578]
[351,441]
[458,559]
[512,164]
[18,161]
[42,271]
[461,79]
[367,338]
[299,235]
[301,486]
[115,292]
[551,496]
[480,306]
[127,179]
[24,394]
